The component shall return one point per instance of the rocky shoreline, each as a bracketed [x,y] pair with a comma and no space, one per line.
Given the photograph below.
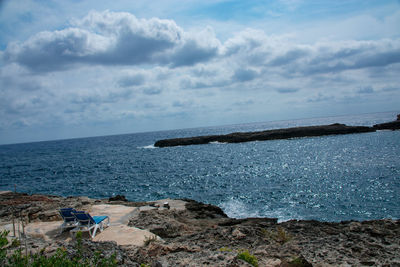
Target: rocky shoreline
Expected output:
[190,233]
[295,132]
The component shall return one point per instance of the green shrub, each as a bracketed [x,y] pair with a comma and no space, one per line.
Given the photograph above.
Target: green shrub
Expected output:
[59,259]
[78,237]
[299,262]
[247,257]
[15,243]
[3,244]
[225,249]
[280,235]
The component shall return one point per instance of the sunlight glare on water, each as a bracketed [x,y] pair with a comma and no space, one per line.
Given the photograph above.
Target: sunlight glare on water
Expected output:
[330,178]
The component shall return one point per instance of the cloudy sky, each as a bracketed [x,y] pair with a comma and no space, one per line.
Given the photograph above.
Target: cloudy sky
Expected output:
[92,67]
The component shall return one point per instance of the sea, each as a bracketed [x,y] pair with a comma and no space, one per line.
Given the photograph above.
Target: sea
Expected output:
[327,178]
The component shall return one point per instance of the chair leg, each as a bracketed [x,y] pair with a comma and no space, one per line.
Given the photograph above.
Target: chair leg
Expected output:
[94,231]
[63,226]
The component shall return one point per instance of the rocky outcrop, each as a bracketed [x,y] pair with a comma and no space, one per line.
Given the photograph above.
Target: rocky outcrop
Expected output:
[204,211]
[118,198]
[201,234]
[393,125]
[35,208]
[287,133]
[217,241]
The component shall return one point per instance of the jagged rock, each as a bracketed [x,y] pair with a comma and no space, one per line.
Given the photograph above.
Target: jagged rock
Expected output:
[237,234]
[265,222]
[238,263]
[48,216]
[297,262]
[118,198]
[164,223]
[204,211]
[156,264]
[202,235]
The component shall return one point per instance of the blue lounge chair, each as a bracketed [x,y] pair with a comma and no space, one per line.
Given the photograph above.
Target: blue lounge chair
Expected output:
[87,223]
[69,219]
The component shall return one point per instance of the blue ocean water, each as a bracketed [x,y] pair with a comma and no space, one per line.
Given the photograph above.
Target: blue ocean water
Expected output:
[330,178]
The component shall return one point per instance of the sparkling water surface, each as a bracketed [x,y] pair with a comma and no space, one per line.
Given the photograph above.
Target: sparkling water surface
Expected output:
[329,178]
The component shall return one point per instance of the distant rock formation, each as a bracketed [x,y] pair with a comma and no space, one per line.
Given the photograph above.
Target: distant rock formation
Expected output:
[393,125]
[266,135]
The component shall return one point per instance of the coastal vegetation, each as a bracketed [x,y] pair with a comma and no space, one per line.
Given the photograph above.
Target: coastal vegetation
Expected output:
[59,259]
[247,257]
[279,235]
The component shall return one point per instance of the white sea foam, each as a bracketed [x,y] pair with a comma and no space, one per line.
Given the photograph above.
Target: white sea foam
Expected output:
[282,215]
[235,208]
[148,147]
[216,142]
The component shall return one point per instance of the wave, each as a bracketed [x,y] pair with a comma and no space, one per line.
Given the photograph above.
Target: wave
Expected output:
[235,208]
[238,209]
[148,147]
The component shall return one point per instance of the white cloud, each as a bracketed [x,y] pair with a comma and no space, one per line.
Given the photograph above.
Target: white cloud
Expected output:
[258,50]
[244,75]
[111,38]
[370,25]
[57,50]
[366,90]
[131,80]
[112,66]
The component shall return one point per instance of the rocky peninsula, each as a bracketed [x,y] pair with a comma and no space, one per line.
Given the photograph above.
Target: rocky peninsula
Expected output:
[286,133]
[188,233]
[393,125]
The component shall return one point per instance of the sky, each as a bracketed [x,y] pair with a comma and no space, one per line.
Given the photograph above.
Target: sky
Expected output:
[83,68]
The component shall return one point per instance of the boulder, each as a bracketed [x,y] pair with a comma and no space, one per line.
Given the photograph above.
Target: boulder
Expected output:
[118,198]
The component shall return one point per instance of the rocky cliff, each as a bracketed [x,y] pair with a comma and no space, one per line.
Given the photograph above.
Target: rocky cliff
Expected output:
[198,234]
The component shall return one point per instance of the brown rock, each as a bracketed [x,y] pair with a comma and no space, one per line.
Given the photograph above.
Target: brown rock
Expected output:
[202,235]
[237,234]
[118,198]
